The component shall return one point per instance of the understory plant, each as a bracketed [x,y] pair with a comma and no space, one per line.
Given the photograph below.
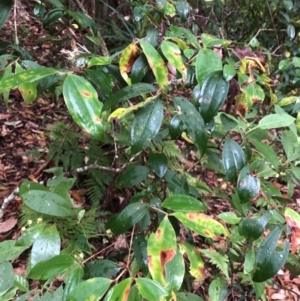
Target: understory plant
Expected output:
[148,109]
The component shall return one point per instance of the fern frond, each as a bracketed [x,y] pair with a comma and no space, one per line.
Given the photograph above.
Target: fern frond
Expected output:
[170,149]
[219,260]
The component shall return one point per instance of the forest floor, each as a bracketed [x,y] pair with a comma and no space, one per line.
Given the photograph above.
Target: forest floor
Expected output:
[24,142]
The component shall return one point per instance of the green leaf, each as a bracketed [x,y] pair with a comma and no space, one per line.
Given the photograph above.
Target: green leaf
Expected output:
[207,62]
[229,72]
[183,203]
[71,282]
[6,276]
[132,175]
[92,289]
[83,104]
[197,269]
[274,121]
[48,269]
[218,259]
[253,93]
[158,163]
[176,127]
[182,31]
[193,122]
[101,268]
[218,290]
[140,251]
[156,64]
[293,264]
[212,95]
[202,224]
[249,261]
[30,235]
[268,261]
[146,125]
[247,186]
[210,41]
[9,250]
[229,217]
[46,246]
[268,152]
[99,60]
[134,294]
[234,159]
[127,218]
[183,296]
[253,228]
[291,32]
[151,290]
[119,291]
[139,69]
[5,8]
[165,262]
[30,76]
[21,283]
[173,54]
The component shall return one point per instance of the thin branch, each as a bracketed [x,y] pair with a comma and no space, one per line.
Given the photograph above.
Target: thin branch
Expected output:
[7,201]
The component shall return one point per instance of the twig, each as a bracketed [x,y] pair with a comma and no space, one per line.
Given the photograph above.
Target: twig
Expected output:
[15,23]
[7,201]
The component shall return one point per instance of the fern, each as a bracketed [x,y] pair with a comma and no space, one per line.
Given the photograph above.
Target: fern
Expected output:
[170,149]
[219,260]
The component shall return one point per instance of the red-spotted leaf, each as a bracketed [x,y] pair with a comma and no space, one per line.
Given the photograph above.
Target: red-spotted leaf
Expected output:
[91,289]
[268,261]
[207,62]
[183,203]
[156,64]
[165,263]
[83,104]
[213,94]
[234,159]
[151,290]
[247,186]
[128,56]
[202,224]
[293,221]
[146,125]
[119,292]
[159,163]
[197,269]
[121,222]
[173,54]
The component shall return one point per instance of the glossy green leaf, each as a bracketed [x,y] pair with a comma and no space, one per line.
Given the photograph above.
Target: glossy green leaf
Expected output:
[151,290]
[268,261]
[146,125]
[193,121]
[30,234]
[134,294]
[91,289]
[234,159]
[253,228]
[55,266]
[158,163]
[83,104]
[21,283]
[293,264]
[207,62]
[139,69]
[183,8]
[218,290]
[140,251]
[176,127]
[183,203]
[182,31]
[99,61]
[165,262]
[247,186]
[119,292]
[210,41]
[202,224]
[101,268]
[177,184]
[274,121]
[249,260]
[28,92]
[128,217]
[196,268]
[46,246]
[30,76]
[229,217]
[5,8]
[9,250]
[71,282]
[183,296]
[173,54]
[291,32]
[229,72]
[132,175]
[156,64]
[6,276]
[212,95]
[267,151]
